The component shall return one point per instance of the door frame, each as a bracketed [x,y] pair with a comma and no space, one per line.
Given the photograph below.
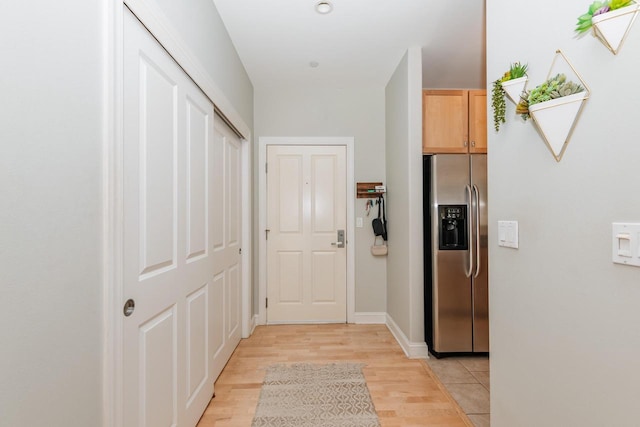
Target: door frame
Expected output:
[263,143]
[161,28]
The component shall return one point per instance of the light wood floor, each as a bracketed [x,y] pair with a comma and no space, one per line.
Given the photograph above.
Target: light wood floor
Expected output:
[405,392]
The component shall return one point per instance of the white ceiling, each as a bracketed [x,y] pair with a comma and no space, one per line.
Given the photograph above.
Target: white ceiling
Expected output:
[359,43]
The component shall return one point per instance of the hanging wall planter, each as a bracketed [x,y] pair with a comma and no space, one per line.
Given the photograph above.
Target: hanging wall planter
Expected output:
[611,28]
[555,106]
[511,85]
[556,120]
[609,21]
[513,88]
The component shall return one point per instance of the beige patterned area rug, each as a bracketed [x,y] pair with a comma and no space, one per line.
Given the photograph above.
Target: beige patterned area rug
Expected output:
[310,395]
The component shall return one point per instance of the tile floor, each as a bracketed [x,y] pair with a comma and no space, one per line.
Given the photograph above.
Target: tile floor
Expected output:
[467,380]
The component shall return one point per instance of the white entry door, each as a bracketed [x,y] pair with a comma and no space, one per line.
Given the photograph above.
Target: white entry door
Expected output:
[176,210]
[306,210]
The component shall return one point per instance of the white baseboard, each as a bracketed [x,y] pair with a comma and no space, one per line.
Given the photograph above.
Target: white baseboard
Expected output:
[306,322]
[413,350]
[253,324]
[365,318]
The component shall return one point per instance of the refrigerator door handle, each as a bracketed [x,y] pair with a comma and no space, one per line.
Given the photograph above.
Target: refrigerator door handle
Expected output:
[468,272]
[477,221]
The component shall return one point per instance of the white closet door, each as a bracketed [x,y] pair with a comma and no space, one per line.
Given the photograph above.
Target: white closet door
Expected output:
[227,227]
[168,243]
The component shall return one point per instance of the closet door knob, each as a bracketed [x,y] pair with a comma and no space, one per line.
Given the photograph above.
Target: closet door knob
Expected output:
[129,306]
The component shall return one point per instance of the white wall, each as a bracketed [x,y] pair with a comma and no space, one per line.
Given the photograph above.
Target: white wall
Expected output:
[318,111]
[405,286]
[50,214]
[565,323]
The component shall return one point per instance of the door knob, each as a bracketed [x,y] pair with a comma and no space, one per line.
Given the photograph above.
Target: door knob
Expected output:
[129,306]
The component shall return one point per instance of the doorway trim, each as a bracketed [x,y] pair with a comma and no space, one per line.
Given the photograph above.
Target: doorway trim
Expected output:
[154,19]
[265,141]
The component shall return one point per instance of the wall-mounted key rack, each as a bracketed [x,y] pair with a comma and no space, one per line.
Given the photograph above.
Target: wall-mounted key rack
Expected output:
[366,190]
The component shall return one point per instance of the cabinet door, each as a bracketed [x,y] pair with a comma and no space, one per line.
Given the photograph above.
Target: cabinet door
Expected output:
[444,121]
[477,121]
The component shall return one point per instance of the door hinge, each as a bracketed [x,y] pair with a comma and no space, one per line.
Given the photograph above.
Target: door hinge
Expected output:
[266,234]
[266,303]
[240,251]
[266,167]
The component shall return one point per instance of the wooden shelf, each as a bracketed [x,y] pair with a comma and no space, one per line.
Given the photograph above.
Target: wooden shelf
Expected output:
[366,190]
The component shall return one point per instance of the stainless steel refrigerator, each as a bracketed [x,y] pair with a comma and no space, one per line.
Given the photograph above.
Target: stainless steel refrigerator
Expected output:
[456,279]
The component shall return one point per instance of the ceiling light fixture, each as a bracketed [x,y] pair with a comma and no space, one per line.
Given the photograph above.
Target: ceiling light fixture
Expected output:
[324,7]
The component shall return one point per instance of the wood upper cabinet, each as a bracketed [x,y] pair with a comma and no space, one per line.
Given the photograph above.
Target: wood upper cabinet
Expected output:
[478,121]
[454,121]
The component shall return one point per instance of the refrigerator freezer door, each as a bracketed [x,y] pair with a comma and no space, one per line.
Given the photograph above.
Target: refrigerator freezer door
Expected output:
[481,276]
[452,308]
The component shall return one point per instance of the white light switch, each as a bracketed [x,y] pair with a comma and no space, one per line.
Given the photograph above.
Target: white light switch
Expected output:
[508,234]
[626,243]
[359,222]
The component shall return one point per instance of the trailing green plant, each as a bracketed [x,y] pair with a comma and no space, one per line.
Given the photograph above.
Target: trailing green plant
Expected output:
[499,104]
[555,87]
[597,8]
[516,70]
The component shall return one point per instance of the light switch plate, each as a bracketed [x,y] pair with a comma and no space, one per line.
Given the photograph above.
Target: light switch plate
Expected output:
[508,234]
[359,222]
[626,243]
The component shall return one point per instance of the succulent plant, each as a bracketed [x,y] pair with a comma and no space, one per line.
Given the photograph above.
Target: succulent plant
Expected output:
[617,4]
[566,89]
[523,106]
[555,87]
[596,8]
[516,70]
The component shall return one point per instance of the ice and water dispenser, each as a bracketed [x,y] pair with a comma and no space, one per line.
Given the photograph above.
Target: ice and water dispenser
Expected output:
[453,227]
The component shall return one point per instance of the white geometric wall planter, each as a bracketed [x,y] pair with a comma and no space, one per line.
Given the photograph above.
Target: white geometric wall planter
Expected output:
[611,28]
[556,119]
[513,88]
